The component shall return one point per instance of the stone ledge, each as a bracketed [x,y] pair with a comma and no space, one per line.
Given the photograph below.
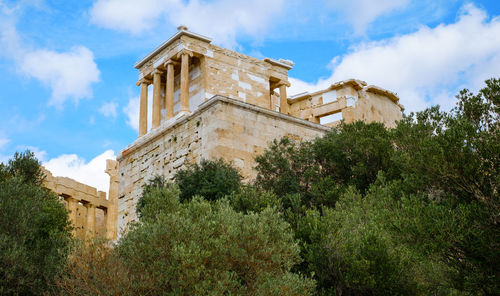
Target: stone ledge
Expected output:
[182,118]
[170,41]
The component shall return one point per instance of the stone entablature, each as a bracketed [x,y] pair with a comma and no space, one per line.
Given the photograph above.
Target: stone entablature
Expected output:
[90,212]
[220,128]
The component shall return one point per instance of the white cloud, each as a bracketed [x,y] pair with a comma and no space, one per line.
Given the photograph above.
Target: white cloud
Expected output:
[428,66]
[360,13]
[130,15]
[75,167]
[220,19]
[69,74]
[109,109]
[132,112]
[9,37]
[224,19]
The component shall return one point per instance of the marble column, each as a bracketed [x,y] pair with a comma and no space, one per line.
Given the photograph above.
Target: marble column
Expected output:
[169,91]
[283,99]
[185,82]
[156,98]
[143,109]
[112,210]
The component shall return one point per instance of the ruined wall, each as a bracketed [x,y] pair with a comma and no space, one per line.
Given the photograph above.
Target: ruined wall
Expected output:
[90,211]
[349,100]
[221,127]
[372,107]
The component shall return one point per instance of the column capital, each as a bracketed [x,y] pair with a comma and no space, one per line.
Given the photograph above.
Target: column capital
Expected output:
[143,80]
[170,62]
[283,83]
[157,71]
[184,52]
[71,199]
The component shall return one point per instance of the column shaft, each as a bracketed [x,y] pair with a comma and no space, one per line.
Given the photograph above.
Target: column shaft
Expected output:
[143,110]
[283,99]
[90,226]
[112,210]
[156,99]
[169,92]
[185,82]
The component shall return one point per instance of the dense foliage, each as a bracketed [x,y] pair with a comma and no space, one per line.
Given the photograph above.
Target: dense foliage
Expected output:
[212,179]
[34,229]
[412,210]
[195,248]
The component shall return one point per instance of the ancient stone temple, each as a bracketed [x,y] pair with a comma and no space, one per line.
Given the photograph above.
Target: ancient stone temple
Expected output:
[91,212]
[210,102]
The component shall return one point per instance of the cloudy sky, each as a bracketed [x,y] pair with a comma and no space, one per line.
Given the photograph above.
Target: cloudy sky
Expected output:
[68,83]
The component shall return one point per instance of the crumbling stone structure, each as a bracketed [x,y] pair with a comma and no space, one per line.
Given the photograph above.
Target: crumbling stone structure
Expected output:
[90,212]
[349,100]
[210,102]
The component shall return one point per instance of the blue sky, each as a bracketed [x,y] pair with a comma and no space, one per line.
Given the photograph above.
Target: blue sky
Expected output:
[68,81]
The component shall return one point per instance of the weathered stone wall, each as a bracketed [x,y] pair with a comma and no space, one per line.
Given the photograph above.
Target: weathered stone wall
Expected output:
[373,107]
[241,132]
[352,100]
[219,128]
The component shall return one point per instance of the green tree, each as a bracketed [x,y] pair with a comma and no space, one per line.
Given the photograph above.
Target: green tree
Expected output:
[34,229]
[454,157]
[321,170]
[203,247]
[250,199]
[198,247]
[157,182]
[212,179]
[382,243]
[437,226]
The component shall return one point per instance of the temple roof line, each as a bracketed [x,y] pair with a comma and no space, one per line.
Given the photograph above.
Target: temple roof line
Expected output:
[181,30]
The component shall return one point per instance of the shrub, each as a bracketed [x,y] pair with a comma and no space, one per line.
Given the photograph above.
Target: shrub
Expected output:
[250,199]
[211,179]
[203,247]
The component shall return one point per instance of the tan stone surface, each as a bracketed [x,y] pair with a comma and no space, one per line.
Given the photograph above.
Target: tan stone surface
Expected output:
[143,109]
[170,91]
[220,128]
[353,99]
[157,87]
